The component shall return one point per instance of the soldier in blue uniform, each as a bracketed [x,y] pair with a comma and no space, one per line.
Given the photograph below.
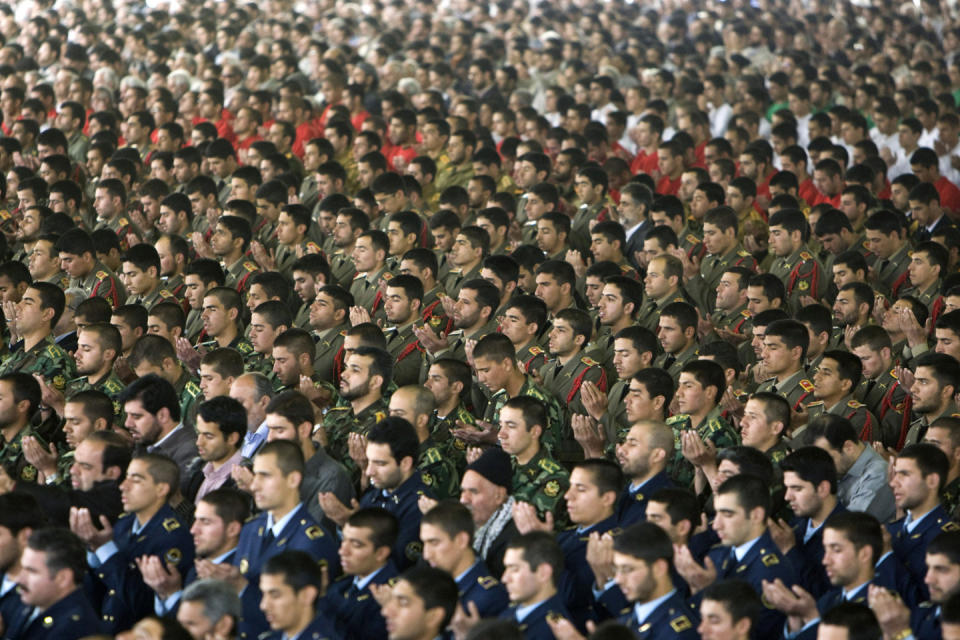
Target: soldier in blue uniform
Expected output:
[643,561]
[920,499]
[447,531]
[748,552]
[60,609]
[532,566]
[367,540]
[729,605]
[287,580]
[406,608]
[20,515]
[149,528]
[283,524]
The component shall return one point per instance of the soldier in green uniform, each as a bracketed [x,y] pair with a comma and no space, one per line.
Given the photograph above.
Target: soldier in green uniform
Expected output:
[141,269]
[590,185]
[888,241]
[269,320]
[16,425]
[78,257]
[402,305]
[928,262]
[366,374]
[880,388]
[328,319]
[801,272]
[538,479]
[933,393]
[731,319]
[291,237]
[110,200]
[784,348]
[472,320]
[221,313]
[98,346]
[350,223]
[37,313]
[523,319]
[663,284]
[723,251]
[495,362]
[422,264]
[270,198]
[369,257]
[766,417]
[230,242]
[450,380]
[565,374]
[678,337]
[834,384]
[309,274]
[416,405]
[153,354]
[466,257]
[702,384]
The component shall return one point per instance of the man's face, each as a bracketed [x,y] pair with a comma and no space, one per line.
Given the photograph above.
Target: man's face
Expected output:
[143,426]
[548,240]
[827,383]
[279,602]
[656,283]
[910,487]
[881,244]
[691,395]
[383,469]
[627,360]
[515,436]
[926,391]
[139,491]
[843,274]
[673,338]
[87,468]
[270,488]
[365,257]
[89,354]
[138,281]
[801,495]
[634,577]
[406,614]
[943,577]
[192,616]
[921,271]
[716,623]
[640,405]
[948,342]
[755,429]
[521,582]
[35,582]
[777,358]
[583,499]
[439,549]
[209,531]
[355,379]
[732,522]
[841,559]
[780,241]
[562,341]
[212,446]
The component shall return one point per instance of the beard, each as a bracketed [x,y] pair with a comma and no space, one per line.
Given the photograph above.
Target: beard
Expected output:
[355,392]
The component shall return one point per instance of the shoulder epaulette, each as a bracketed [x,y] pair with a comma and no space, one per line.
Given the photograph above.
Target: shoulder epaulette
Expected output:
[680,417]
[549,466]
[313,247]
[893,374]
[359,275]
[536,351]
[249,266]
[432,455]
[590,362]
[193,389]
[745,313]
[680,623]
[770,559]
[165,294]
[853,404]
[386,275]
[743,253]
[805,256]
[314,532]
[692,238]
[806,385]
[487,582]
[102,275]
[171,524]
[816,403]
[122,221]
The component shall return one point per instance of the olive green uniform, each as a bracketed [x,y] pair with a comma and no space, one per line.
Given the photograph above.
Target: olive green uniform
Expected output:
[407,353]
[674,363]
[713,427]
[340,422]
[885,398]
[802,275]
[46,358]
[556,431]
[703,286]
[866,424]
[325,362]
[542,483]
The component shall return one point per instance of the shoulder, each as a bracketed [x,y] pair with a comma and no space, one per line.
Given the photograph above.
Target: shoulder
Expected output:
[806,385]
[590,362]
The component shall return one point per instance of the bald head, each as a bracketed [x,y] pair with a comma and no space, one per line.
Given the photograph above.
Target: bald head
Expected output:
[415,404]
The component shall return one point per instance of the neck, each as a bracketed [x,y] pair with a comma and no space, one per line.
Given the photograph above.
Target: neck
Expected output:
[638,480]
[624,322]
[228,545]
[476,326]
[528,454]
[232,257]
[832,400]
[467,558]
[939,410]
[468,267]
[308,448]
[227,335]
[685,346]
[449,406]
[32,339]
[219,463]
[926,506]
[144,515]
[663,587]
[515,382]
[564,359]
[545,592]
[377,267]
[700,416]
[363,402]
[826,508]
[306,617]
[10,432]
[789,372]
[280,512]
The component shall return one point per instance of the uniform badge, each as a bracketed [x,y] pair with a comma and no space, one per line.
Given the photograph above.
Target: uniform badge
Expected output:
[806,385]
[29,473]
[173,556]
[413,550]
[803,285]
[770,559]
[552,489]
[171,524]
[244,566]
[681,623]
[314,532]
[426,478]
[47,622]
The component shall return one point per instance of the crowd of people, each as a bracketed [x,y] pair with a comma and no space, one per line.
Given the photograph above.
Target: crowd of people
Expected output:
[479,321]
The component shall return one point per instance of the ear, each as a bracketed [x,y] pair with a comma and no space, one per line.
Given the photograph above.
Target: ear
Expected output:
[225,625]
[164,415]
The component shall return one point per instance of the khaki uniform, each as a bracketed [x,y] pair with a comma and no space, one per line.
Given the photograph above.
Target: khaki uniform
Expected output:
[866,424]
[614,421]
[674,363]
[120,226]
[176,286]
[408,355]
[157,295]
[60,278]
[736,321]
[714,428]
[456,279]
[886,399]
[366,289]
[928,296]
[542,483]
[920,424]
[564,382]
[453,175]
[889,271]
[703,287]
[328,359]
[579,238]
[265,232]
[194,326]
[239,273]
[101,282]
[649,316]
[803,275]
[531,357]
[342,268]
[796,389]
[286,255]
[433,314]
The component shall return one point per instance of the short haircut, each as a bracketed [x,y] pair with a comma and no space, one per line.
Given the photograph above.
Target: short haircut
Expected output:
[436,588]
[738,598]
[230,505]
[644,541]
[19,511]
[218,598]
[685,314]
[292,406]
[539,548]
[861,529]
[154,393]
[62,549]
[383,525]
[680,504]
[225,362]
[929,459]
[452,518]
[298,568]
[399,435]
[708,374]
[793,334]
[813,465]
[228,414]
[51,297]
[657,382]
[162,469]
[858,619]
[288,454]
[751,492]
[945,368]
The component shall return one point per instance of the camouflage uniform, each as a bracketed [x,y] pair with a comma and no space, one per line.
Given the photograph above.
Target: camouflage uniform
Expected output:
[13,460]
[190,396]
[455,448]
[340,422]
[714,428]
[556,431]
[101,282]
[950,498]
[453,175]
[439,468]
[109,384]
[866,424]
[542,483]
[886,399]
[46,358]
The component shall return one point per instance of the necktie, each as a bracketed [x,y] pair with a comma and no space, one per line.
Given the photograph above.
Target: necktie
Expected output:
[883,265]
[669,360]
[267,539]
[352,591]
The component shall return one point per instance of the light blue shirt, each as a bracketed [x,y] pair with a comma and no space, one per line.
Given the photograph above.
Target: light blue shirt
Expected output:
[910,523]
[523,612]
[744,548]
[277,527]
[642,611]
[361,582]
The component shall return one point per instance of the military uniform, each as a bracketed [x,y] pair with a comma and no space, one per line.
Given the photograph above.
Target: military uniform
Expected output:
[265,232]
[534,625]
[802,275]
[457,342]
[455,448]
[60,278]
[564,382]
[433,314]
[12,459]
[541,482]
[354,612]
[127,598]
[320,628]
[735,321]
[239,273]
[159,294]
[190,395]
[796,388]
[886,399]
[408,355]
[457,277]
[858,414]
[531,357]
[614,422]
[920,423]
[69,618]
[673,619]
[328,359]
[46,358]
[366,289]
[175,285]
[402,502]
[286,255]
[194,326]
[120,226]
[109,384]
[579,237]
[714,428]
[649,316]
[257,544]
[576,582]
[101,282]
[478,586]
[453,175]
[703,287]
[910,545]
[950,498]
[438,470]
[340,422]
[888,272]
[632,503]
[929,296]
[342,268]
[555,432]
[674,363]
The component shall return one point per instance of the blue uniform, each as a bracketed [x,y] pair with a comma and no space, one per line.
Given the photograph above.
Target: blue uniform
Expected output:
[892,575]
[911,547]
[632,505]
[828,601]
[483,590]
[925,622]
[673,619]
[70,618]
[534,626]
[128,598]
[318,629]
[577,580]
[257,544]
[807,556]
[402,502]
[763,561]
[355,613]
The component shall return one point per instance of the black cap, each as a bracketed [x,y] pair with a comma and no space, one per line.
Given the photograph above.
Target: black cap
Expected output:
[494,465]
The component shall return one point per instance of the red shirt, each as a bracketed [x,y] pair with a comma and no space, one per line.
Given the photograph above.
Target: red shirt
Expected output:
[668,187]
[949,194]
[808,191]
[305,133]
[407,153]
[645,163]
